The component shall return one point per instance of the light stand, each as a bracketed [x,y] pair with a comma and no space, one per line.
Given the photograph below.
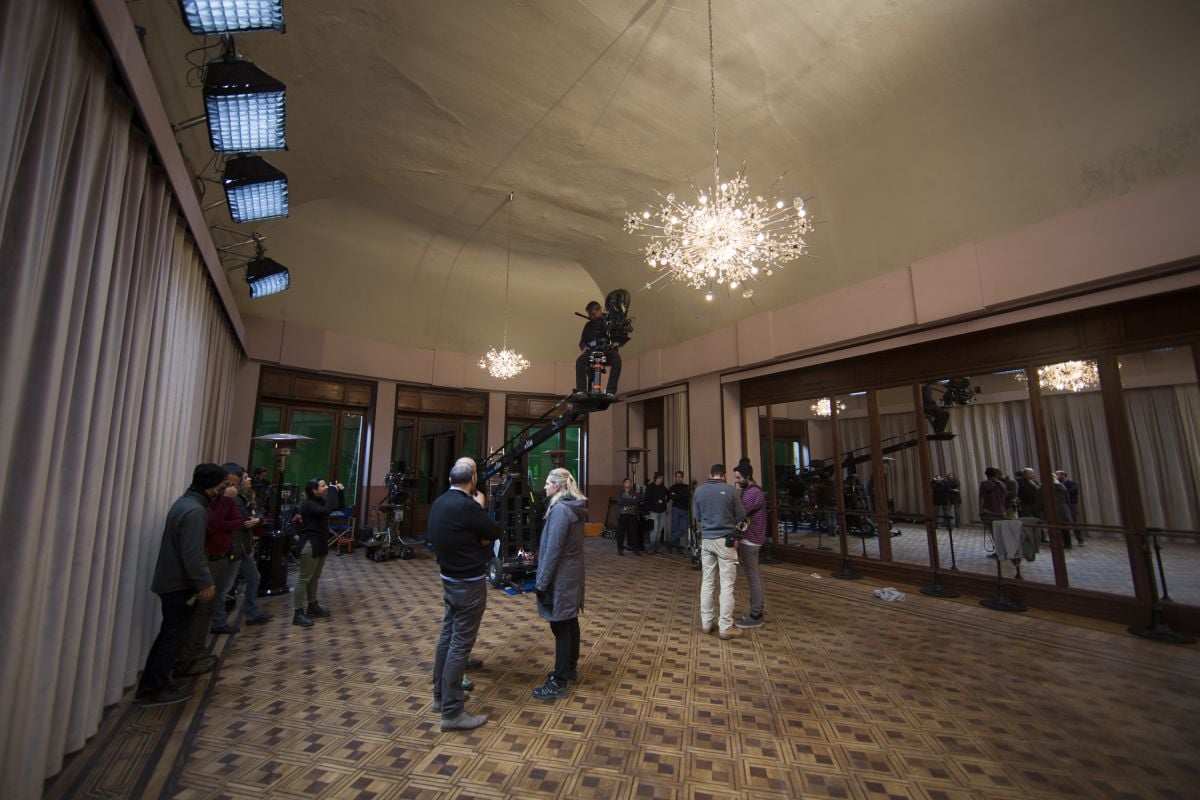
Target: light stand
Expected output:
[273,555]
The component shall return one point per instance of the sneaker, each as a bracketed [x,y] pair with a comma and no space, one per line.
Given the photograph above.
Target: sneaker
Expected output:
[467,684]
[314,610]
[463,722]
[226,629]
[551,690]
[474,663]
[731,633]
[706,628]
[298,618]
[258,619]
[197,667]
[167,696]
[749,621]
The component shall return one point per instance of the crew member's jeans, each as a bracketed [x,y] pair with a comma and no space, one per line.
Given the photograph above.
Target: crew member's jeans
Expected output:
[310,575]
[714,557]
[176,624]
[659,518]
[464,603]
[679,525]
[566,648]
[245,567]
[748,556]
[583,380]
[195,643]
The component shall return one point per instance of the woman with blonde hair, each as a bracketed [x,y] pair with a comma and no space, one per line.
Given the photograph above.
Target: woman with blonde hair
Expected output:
[559,581]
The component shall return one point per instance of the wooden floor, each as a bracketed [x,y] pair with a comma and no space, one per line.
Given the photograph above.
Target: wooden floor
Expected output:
[840,695]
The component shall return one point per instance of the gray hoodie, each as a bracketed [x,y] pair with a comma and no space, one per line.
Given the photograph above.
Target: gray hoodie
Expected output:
[717,509]
[560,561]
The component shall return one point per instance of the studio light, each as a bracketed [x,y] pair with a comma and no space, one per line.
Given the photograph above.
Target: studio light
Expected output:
[232,16]
[254,189]
[266,276]
[245,107]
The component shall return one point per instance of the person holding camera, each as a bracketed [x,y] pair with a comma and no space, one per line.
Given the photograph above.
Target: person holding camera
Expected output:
[320,500]
[181,581]
[595,336]
[559,581]
[754,501]
[717,511]
[242,559]
[461,534]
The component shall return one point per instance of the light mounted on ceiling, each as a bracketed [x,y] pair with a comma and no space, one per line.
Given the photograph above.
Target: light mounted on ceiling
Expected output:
[729,236]
[266,276]
[254,189]
[245,107]
[504,363]
[1066,376]
[232,16]
[823,407]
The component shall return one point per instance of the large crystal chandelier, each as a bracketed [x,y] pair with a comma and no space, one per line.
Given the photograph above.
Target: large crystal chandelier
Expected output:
[1067,376]
[730,236]
[504,363]
[822,407]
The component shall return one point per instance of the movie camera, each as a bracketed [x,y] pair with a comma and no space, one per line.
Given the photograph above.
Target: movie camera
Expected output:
[959,392]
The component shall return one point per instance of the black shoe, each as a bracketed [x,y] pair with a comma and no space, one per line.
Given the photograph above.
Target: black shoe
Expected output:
[230,602]
[166,696]
[637,552]
[551,690]
[197,667]
[315,610]
[258,619]
[298,618]
[226,628]
[578,394]
[474,663]
[573,677]
[620,552]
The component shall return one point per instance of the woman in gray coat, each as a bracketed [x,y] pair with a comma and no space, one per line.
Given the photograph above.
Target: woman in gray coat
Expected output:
[559,581]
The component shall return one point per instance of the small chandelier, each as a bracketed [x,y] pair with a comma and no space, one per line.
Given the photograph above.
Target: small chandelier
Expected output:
[504,363]
[730,236]
[822,407]
[1068,376]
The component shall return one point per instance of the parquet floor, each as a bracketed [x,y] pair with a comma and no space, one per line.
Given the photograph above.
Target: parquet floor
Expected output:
[841,695]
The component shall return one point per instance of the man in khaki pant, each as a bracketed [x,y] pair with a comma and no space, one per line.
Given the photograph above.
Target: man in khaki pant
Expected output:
[717,511]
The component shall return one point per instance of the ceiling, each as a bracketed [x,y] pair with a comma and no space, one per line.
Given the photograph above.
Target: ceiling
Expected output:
[912,125]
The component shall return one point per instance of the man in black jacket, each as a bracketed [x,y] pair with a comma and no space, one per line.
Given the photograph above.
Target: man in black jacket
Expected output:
[595,337]
[461,534]
[181,580]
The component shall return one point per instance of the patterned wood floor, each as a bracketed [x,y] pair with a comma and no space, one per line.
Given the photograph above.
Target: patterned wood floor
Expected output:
[841,695]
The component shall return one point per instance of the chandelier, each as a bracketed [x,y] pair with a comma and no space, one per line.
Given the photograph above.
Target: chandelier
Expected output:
[504,363]
[822,407]
[1068,376]
[729,236]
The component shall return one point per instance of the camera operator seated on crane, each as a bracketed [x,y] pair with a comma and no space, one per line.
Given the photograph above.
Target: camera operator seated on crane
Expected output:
[595,338]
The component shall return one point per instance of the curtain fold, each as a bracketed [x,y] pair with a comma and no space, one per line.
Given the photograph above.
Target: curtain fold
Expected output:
[117,375]
[675,435]
[1164,423]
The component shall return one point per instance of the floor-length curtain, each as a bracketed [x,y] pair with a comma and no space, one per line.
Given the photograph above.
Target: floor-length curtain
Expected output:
[1078,438]
[1164,423]
[675,435]
[116,375]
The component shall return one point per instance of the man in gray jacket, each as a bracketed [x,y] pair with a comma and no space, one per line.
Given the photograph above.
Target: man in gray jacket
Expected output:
[716,511]
[181,580]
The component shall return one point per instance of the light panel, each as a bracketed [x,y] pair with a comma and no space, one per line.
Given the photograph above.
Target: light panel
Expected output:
[232,16]
[254,190]
[266,276]
[245,107]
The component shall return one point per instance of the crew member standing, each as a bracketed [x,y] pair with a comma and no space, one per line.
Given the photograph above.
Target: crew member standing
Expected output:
[717,511]
[681,497]
[656,506]
[594,337]
[181,580]
[755,504]
[461,534]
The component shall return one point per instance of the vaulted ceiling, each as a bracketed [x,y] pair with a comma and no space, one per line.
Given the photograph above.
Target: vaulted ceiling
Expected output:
[913,126]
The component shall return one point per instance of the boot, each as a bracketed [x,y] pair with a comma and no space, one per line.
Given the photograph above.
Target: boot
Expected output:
[298,618]
[315,610]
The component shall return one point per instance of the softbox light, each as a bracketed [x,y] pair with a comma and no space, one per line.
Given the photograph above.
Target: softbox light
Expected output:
[245,108]
[266,276]
[254,189]
[232,16]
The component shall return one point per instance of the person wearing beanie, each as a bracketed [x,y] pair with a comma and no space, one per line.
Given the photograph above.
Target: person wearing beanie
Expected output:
[755,503]
[181,580]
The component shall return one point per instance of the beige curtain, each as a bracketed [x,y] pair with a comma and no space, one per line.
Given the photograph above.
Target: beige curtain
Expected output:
[1164,424]
[1078,441]
[675,435]
[116,374]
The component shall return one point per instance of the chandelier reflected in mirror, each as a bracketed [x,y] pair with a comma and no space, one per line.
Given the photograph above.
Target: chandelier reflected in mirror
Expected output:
[1067,376]
[504,363]
[822,407]
[729,236]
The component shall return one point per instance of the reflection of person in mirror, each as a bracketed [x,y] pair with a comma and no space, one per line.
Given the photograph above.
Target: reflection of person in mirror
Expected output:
[1072,502]
[1062,509]
[992,497]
